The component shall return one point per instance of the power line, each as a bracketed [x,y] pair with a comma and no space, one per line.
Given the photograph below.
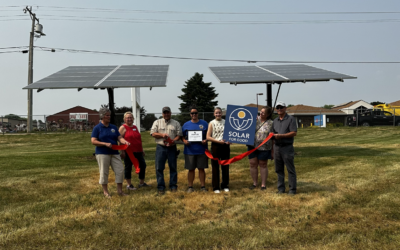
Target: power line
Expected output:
[85,9]
[213,59]
[166,21]
[218,12]
[16,47]
[14,51]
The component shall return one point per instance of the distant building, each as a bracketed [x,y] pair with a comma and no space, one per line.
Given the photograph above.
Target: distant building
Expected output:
[75,115]
[12,122]
[353,106]
[396,103]
[305,115]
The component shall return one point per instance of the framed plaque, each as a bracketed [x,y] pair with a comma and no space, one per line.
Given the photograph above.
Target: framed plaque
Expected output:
[195,135]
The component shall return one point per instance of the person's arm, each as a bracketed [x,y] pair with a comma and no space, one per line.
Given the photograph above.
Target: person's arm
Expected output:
[186,142]
[121,140]
[154,131]
[122,131]
[98,143]
[287,135]
[292,129]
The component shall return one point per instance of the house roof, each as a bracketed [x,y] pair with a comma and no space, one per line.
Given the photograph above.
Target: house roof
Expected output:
[396,103]
[260,106]
[79,109]
[345,105]
[304,109]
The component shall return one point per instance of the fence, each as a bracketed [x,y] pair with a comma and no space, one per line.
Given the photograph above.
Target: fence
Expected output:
[304,118]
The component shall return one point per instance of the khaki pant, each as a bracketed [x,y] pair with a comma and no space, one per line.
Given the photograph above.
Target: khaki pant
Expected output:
[105,161]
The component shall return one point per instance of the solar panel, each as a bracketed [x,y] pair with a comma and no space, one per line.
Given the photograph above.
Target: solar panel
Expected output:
[275,73]
[123,76]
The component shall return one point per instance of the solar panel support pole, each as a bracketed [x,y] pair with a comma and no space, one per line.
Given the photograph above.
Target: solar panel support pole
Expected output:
[110,92]
[269,94]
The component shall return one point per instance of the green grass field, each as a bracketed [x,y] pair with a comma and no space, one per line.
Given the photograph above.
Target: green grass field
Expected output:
[348,197]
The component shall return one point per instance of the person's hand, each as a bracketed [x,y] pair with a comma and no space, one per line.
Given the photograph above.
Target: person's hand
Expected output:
[272,155]
[165,136]
[186,142]
[123,154]
[108,145]
[204,142]
[277,136]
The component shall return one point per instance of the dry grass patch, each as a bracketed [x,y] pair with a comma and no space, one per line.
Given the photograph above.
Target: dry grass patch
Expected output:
[348,185]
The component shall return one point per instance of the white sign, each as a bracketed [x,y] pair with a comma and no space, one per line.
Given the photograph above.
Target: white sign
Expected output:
[194,136]
[76,117]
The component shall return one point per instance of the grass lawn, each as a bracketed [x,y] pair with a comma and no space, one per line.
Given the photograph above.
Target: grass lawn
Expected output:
[348,197]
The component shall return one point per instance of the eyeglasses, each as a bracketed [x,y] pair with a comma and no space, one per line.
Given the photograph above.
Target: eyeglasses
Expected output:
[280,107]
[194,113]
[166,112]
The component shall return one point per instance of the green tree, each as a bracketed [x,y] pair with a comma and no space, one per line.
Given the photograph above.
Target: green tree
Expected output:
[200,94]
[327,106]
[12,116]
[290,105]
[376,103]
[148,121]
[142,114]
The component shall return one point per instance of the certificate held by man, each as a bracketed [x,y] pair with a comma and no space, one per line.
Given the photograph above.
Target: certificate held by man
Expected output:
[195,135]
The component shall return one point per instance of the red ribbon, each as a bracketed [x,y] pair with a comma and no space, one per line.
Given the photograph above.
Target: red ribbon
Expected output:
[134,161]
[238,157]
[168,140]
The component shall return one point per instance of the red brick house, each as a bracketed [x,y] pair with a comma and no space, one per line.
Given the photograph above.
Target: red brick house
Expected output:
[75,115]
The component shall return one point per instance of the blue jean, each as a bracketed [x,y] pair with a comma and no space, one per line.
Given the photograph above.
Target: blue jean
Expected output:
[163,154]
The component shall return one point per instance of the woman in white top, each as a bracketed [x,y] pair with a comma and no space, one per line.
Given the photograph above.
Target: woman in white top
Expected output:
[262,154]
[220,149]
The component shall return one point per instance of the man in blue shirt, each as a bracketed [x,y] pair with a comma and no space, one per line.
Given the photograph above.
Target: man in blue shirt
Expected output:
[194,137]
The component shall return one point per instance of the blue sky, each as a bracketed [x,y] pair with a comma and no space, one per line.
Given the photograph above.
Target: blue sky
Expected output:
[295,41]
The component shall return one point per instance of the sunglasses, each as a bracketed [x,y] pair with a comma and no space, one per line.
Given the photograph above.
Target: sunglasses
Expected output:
[194,113]
[166,112]
[280,107]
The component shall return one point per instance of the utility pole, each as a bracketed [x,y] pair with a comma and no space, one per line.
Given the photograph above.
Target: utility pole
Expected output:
[38,27]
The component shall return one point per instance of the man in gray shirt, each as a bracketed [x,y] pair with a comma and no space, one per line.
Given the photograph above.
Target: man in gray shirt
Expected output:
[166,132]
[285,129]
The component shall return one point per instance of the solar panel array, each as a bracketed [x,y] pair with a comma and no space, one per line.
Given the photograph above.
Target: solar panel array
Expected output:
[125,76]
[275,73]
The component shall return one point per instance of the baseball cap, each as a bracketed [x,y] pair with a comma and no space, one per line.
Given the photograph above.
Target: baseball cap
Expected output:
[280,104]
[166,109]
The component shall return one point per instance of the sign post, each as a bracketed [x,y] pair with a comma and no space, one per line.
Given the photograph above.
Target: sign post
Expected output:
[240,124]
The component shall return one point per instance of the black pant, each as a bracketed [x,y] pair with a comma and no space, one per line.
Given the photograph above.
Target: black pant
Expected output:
[222,152]
[128,165]
[284,155]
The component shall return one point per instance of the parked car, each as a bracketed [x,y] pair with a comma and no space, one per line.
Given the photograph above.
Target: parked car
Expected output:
[373,118]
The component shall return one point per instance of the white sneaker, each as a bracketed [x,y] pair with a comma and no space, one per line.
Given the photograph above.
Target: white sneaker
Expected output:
[226,189]
[217,191]
[130,187]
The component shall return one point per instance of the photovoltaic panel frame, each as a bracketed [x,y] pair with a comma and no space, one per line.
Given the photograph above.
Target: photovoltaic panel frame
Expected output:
[275,74]
[122,76]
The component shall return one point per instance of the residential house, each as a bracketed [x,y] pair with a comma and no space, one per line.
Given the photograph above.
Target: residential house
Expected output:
[305,115]
[353,107]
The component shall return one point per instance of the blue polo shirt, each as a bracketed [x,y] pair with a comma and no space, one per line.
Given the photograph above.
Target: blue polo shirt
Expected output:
[195,148]
[106,134]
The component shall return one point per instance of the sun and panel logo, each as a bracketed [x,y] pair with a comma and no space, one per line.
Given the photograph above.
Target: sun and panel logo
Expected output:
[241,124]
[241,119]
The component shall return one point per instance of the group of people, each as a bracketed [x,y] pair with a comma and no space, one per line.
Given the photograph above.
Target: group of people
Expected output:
[195,135]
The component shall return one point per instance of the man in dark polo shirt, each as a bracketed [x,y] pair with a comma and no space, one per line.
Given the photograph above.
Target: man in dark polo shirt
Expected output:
[284,128]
